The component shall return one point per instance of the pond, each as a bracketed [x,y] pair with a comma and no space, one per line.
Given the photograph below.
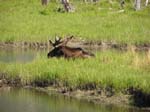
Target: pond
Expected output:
[19,55]
[29,100]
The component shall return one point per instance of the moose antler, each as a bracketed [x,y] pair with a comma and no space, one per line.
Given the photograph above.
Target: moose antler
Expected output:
[58,41]
[51,42]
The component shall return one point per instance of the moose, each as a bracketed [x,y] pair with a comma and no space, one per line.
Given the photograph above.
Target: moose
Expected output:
[60,49]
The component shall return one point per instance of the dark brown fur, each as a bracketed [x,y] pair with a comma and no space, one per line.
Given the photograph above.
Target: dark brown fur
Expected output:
[61,50]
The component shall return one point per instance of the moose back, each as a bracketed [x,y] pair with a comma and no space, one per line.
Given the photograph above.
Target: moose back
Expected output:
[61,50]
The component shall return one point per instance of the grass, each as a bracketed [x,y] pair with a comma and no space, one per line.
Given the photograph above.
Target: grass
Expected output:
[109,68]
[27,20]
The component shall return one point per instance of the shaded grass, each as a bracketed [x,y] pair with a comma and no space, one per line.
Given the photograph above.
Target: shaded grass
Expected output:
[109,68]
[27,20]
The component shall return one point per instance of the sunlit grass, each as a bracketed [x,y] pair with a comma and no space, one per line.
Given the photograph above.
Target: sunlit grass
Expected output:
[27,20]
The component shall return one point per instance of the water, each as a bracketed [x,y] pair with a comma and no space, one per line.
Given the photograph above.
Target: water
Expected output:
[25,100]
[19,55]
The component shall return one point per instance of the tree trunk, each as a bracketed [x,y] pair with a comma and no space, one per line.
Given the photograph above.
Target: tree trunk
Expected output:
[146,3]
[67,6]
[44,2]
[137,5]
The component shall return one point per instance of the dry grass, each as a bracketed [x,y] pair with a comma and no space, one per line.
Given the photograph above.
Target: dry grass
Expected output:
[140,61]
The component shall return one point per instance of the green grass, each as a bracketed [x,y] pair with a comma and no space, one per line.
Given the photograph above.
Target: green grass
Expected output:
[27,20]
[109,68]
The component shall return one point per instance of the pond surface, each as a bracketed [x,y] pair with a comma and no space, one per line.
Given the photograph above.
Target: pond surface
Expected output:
[19,55]
[27,100]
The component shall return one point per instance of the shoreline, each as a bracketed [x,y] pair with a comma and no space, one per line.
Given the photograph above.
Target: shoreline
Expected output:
[131,97]
[119,99]
[78,43]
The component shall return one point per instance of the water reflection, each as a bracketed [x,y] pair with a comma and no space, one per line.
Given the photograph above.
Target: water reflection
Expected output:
[19,55]
[23,100]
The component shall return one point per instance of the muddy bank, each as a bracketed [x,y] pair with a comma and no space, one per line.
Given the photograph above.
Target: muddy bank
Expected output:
[108,95]
[10,81]
[78,43]
[129,97]
[24,44]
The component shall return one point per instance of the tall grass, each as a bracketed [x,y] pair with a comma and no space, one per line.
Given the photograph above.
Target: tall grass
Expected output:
[142,61]
[107,69]
[27,20]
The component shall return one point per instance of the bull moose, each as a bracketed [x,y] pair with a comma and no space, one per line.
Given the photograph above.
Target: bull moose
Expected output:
[60,49]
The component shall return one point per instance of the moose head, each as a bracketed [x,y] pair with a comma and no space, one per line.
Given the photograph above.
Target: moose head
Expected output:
[60,49]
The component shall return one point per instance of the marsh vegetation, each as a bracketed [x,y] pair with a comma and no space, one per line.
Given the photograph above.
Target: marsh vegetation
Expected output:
[126,72]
